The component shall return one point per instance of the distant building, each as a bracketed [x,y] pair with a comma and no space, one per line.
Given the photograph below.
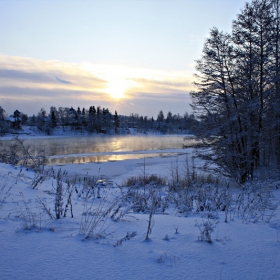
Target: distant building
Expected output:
[13,122]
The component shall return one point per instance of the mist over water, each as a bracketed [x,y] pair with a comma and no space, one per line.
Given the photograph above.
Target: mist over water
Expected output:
[83,149]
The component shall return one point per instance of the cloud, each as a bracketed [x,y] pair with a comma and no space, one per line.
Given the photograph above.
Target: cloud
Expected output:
[160,91]
[171,96]
[151,107]
[31,100]
[173,83]
[48,94]
[28,84]
[29,72]
[19,75]
[62,81]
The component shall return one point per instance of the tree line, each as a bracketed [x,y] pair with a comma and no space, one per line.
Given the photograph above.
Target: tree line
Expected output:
[97,120]
[237,96]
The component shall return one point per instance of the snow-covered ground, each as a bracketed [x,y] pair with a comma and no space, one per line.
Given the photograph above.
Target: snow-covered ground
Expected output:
[56,249]
[29,132]
[118,170]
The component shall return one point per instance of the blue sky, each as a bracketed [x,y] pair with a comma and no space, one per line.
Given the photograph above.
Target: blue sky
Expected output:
[128,55]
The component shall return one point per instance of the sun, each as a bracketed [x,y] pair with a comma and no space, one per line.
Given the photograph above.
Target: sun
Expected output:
[117,87]
[120,80]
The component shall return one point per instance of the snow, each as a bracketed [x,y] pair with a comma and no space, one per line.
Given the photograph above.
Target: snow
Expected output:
[118,170]
[29,132]
[57,250]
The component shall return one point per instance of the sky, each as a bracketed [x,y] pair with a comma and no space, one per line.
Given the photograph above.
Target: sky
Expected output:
[132,56]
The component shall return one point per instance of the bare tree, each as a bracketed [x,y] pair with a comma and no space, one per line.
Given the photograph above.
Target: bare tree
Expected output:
[237,89]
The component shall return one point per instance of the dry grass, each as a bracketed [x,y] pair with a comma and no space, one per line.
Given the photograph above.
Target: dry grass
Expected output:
[141,180]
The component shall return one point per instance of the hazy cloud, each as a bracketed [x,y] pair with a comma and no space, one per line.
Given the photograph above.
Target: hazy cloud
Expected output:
[20,76]
[29,71]
[52,94]
[163,84]
[62,81]
[171,96]
[29,84]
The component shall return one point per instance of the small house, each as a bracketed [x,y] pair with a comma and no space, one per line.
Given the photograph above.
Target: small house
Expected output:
[13,122]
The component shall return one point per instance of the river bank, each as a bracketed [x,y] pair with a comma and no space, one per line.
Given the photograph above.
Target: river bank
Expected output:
[33,132]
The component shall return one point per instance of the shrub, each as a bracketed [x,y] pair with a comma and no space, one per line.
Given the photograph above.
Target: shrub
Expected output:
[29,218]
[255,202]
[20,154]
[4,194]
[62,197]
[206,228]
[94,221]
[140,181]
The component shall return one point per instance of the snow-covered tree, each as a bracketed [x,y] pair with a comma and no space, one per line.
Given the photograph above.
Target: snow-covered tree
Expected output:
[116,121]
[237,85]
[41,120]
[160,116]
[53,116]
[2,114]
[3,124]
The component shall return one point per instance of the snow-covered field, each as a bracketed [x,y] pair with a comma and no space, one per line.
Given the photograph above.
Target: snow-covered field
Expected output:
[57,249]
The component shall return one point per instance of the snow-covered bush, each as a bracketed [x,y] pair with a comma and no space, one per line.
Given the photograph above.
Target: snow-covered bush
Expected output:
[127,237]
[202,196]
[182,199]
[143,180]
[4,193]
[255,202]
[62,192]
[20,154]
[143,199]
[40,177]
[206,228]
[95,220]
[30,217]
[152,208]
[90,187]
